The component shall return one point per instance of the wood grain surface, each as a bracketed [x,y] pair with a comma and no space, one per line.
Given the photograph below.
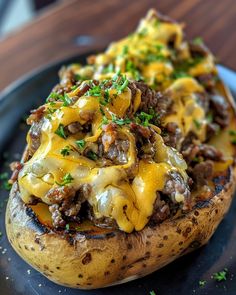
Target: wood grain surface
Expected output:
[74,26]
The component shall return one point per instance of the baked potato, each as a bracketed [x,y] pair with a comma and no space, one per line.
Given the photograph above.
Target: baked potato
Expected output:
[129,164]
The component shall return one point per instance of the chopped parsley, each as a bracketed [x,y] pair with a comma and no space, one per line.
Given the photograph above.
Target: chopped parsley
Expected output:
[67,179]
[91,155]
[74,87]
[197,123]
[65,151]
[105,121]
[151,57]
[60,131]
[97,91]
[152,292]
[108,69]
[80,143]
[198,41]
[179,74]
[144,118]
[119,121]
[78,77]
[143,32]
[196,159]
[233,141]
[66,100]
[55,96]
[220,276]
[94,91]
[233,134]
[67,226]
[130,67]
[6,185]
[4,176]
[209,117]
[125,50]
[202,283]
[120,82]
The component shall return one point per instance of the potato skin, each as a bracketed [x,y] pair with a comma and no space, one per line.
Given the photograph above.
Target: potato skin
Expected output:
[95,261]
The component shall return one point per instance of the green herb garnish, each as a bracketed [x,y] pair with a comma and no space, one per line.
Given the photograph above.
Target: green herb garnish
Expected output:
[220,276]
[60,131]
[144,118]
[152,293]
[6,185]
[119,121]
[120,82]
[197,123]
[232,132]
[130,67]
[94,91]
[80,143]
[67,226]
[67,179]
[143,32]
[151,57]
[209,117]
[125,50]
[233,141]
[198,41]
[4,176]
[91,155]
[65,151]
[108,69]
[202,283]
[105,121]
[178,75]
[66,100]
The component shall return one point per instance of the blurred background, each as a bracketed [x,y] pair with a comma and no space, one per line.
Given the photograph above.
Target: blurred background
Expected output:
[36,33]
[16,13]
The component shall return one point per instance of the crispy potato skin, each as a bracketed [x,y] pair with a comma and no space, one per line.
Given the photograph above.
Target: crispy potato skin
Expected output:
[95,261]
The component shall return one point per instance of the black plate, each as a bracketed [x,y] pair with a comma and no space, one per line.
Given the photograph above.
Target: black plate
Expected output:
[181,277]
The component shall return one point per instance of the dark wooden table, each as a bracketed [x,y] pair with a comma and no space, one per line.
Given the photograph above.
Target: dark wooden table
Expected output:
[74,26]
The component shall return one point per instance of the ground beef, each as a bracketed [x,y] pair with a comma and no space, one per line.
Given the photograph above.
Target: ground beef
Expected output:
[35,135]
[15,168]
[220,109]
[117,152]
[66,203]
[161,210]
[203,100]
[212,129]
[151,99]
[57,219]
[36,115]
[172,134]
[210,152]
[198,50]
[207,80]
[105,222]
[74,127]
[109,136]
[176,185]
[140,130]
[202,172]
[201,150]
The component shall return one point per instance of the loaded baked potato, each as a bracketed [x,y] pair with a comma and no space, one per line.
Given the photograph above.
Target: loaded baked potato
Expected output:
[129,164]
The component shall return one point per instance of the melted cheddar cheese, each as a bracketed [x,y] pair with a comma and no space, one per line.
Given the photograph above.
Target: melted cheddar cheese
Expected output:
[144,55]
